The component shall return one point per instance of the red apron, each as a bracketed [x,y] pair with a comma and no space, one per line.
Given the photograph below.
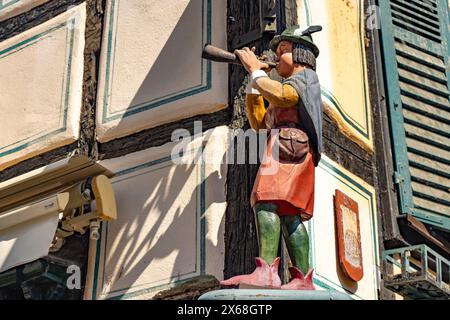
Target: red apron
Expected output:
[288,185]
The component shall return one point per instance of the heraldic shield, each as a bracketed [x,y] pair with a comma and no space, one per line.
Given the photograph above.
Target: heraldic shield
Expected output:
[348,236]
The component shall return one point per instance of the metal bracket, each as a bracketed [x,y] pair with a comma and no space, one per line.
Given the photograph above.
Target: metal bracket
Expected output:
[399,180]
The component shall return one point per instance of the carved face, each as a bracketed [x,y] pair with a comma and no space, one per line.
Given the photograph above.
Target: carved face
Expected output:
[285,61]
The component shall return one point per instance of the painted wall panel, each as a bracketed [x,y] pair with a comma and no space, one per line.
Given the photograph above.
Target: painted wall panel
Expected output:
[170,223]
[11,8]
[325,257]
[41,86]
[342,64]
[151,69]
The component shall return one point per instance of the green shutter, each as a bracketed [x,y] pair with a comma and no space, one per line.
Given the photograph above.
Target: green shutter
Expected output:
[415,42]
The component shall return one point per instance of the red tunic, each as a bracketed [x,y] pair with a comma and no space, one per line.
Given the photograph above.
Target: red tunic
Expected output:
[289,185]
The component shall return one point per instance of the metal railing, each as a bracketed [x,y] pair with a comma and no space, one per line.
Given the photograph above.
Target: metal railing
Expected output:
[417,272]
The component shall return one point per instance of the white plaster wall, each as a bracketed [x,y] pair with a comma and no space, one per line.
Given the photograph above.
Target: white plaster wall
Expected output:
[11,8]
[328,274]
[170,224]
[151,69]
[41,87]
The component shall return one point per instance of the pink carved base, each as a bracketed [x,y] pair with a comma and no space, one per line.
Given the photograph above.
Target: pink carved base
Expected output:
[299,281]
[263,276]
[267,276]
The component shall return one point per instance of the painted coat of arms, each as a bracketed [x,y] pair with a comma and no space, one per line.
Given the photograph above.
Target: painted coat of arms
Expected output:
[348,236]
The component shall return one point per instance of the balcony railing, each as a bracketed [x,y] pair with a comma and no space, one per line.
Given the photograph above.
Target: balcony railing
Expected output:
[416,272]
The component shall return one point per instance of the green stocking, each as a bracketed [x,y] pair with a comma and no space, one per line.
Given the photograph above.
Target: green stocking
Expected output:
[268,230]
[297,241]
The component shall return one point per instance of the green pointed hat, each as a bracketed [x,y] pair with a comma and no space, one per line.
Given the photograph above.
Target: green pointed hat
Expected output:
[297,35]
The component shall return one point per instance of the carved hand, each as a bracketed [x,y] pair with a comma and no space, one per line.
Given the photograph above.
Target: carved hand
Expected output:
[249,60]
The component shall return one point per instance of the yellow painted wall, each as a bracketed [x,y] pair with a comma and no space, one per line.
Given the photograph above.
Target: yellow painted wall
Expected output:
[342,65]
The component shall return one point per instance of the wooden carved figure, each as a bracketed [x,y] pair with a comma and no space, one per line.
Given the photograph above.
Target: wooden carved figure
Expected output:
[283,199]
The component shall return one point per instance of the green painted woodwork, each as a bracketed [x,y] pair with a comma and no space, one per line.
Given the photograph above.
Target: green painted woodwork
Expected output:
[415,44]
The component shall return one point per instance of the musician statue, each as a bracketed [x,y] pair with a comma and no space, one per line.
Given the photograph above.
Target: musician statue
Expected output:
[283,199]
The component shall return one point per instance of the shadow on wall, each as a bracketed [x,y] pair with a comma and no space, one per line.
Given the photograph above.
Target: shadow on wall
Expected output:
[140,249]
[177,71]
[141,240]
